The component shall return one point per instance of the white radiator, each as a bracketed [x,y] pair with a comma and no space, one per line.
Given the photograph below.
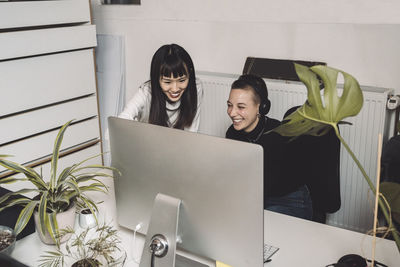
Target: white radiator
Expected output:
[356,212]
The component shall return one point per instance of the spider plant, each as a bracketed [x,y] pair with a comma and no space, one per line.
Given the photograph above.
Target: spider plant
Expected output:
[89,248]
[59,194]
[317,115]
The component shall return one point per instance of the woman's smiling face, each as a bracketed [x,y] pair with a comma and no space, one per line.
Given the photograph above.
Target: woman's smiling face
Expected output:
[174,87]
[243,110]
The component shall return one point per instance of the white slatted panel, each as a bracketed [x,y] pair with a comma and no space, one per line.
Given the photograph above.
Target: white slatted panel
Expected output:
[47,77]
[35,42]
[42,145]
[28,14]
[42,119]
[45,80]
[64,162]
[356,211]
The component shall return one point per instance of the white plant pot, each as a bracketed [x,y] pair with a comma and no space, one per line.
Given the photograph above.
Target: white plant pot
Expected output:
[87,220]
[64,219]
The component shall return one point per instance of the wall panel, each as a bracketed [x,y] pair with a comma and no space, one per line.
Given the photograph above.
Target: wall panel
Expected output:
[47,77]
[39,13]
[36,81]
[26,43]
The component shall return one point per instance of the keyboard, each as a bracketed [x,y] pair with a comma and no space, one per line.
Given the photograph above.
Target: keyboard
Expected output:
[269,250]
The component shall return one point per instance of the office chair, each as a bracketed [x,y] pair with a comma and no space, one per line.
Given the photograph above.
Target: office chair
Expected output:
[321,162]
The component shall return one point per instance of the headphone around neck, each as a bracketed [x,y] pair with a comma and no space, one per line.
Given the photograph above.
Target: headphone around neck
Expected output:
[260,88]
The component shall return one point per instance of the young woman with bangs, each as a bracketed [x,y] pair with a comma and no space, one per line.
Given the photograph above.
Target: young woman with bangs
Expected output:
[172,97]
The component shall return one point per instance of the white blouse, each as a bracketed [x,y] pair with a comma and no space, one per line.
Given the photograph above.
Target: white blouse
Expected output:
[138,108]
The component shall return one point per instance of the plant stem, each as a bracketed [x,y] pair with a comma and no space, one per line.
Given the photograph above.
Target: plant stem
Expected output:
[372,186]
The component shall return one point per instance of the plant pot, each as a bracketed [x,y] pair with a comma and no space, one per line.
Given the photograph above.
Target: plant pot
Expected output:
[64,219]
[87,219]
[7,240]
[86,263]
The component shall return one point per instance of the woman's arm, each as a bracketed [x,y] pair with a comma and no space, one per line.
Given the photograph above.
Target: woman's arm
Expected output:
[141,100]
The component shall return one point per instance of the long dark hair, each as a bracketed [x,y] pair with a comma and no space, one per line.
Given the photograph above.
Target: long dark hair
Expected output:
[172,59]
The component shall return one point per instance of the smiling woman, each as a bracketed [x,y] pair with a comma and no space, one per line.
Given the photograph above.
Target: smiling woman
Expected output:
[173,96]
[285,189]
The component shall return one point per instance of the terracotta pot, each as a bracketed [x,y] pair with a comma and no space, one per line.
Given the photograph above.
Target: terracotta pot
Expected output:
[64,219]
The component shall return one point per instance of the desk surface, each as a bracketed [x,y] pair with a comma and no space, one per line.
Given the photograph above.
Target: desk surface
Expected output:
[301,242]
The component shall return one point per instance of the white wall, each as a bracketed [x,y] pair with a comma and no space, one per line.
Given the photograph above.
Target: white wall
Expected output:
[360,37]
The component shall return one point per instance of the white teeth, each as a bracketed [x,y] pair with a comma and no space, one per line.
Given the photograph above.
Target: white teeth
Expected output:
[237,120]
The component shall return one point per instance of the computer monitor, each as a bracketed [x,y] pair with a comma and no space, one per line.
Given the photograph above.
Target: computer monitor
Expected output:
[213,185]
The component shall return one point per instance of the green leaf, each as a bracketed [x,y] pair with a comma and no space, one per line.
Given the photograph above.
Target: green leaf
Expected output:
[33,176]
[64,199]
[101,183]
[16,193]
[65,173]
[10,180]
[52,227]
[93,187]
[24,216]
[391,191]
[317,115]
[19,201]
[85,160]
[43,209]
[56,153]
[70,183]
[96,166]
[82,177]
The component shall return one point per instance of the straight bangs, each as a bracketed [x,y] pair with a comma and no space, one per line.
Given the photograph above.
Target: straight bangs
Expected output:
[173,66]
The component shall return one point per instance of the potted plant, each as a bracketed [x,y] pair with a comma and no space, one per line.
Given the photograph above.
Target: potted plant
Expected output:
[316,116]
[55,197]
[7,239]
[87,218]
[91,248]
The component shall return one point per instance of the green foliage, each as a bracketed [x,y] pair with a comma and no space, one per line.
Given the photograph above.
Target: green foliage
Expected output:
[103,246]
[391,191]
[55,196]
[317,115]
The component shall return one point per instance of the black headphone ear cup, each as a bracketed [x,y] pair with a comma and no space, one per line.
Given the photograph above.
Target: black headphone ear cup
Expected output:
[264,107]
[267,106]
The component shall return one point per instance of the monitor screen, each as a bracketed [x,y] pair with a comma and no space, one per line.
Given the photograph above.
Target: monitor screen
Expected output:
[218,181]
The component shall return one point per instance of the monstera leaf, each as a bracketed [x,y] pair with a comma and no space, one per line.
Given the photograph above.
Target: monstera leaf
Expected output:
[318,114]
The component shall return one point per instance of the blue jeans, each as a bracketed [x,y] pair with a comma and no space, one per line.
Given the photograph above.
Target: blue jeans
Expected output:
[297,203]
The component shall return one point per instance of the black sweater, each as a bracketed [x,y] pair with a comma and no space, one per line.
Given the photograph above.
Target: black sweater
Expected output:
[290,163]
[280,176]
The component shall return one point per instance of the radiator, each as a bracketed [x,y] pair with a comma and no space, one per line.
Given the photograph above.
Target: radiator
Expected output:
[356,212]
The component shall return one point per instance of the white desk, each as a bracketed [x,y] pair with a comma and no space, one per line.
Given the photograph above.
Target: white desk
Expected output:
[309,244]
[302,243]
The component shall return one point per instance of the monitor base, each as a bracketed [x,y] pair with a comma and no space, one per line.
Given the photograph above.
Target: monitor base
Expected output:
[162,232]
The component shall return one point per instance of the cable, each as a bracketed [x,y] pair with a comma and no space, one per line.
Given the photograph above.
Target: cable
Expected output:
[134,258]
[153,254]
